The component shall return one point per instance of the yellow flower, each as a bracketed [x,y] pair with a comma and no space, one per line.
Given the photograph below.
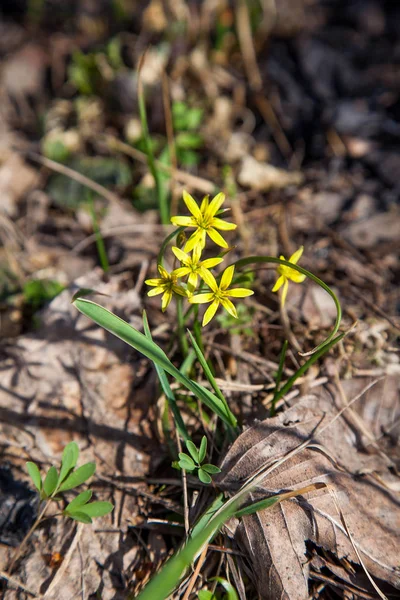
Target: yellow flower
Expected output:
[220,294]
[167,285]
[286,274]
[204,220]
[193,266]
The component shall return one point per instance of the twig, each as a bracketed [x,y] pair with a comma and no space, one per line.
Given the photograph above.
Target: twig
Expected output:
[18,584]
[195,574]
[184,485]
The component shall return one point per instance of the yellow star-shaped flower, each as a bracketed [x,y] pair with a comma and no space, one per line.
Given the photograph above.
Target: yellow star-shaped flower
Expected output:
[204,220]
[193,266]
[286,274]
[220,294]
[167,285]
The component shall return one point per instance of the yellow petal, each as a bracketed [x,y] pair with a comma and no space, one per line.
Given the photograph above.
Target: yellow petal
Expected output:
[202,298]
[192,281]
[180,255]
[196,255]
[296,276]
[163,272]
[215,204]
[296,255]
[192,205]
[284,292]
[223,225]
[279,282]
[198,238]
[217,238]
[227,277]
[166,299]
[239,293]
[229,306]
[156,291]
[179,290]
[210,312]
[210,263]
[204,204]
[209,279]
[181,272]
[154,281]
[183,221]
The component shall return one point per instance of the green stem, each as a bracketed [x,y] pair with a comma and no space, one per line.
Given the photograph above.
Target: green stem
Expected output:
[162,199]
[279,376]
[181,326]
[272,259]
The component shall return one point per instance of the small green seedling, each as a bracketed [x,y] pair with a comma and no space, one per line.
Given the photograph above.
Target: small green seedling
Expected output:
[231,593]
[68,478]
[194,461]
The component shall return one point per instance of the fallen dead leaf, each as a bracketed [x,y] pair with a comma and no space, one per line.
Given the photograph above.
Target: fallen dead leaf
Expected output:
[275,540]
[264,177]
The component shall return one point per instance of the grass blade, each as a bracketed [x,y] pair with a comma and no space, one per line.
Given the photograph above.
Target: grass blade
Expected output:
[140,342]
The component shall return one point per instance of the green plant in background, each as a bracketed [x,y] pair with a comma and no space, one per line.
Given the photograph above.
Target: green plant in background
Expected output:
[84,72]
[179,284]
[55,483]
[37,292]
[231,593]
[195,462]
[188,141]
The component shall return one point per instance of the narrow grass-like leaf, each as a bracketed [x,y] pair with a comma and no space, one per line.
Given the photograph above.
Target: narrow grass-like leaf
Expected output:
[140,342]
[203,476]
[194,453]
[203,449]
[169,394]
[81,499]
[212,469]
[78,477]
[206,369]
[50,481]
[34,474]
[96,509]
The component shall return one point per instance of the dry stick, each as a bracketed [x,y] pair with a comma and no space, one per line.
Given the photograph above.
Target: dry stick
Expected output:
[195,574]
[184,485]
[68,172]
[18,584]
[198,183]
[169,126]
[28,535]
[66,561]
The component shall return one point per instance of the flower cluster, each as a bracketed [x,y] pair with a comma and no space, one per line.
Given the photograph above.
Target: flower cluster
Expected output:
[205,222]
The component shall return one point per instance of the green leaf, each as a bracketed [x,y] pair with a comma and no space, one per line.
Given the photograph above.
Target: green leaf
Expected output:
[211,469]
[96,509]
[193,450]
[77,502]
[231,593]
[203,476]
[50,482]
[34,474]
[186,462]
[80,516]
[206,595]
[78,477]
[189,140]
[203,449]
[148,348]
[68,461]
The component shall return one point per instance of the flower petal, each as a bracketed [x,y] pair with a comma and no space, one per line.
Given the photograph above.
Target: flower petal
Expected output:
[223,225]
[180,254]
[192,281]
[226,278]
[166,299]
[192,205]
[209,279]
[215,204]
[201,298]
[217,238]
[183,221]
[296,255]
[229,306]
[284,292]
[296,276]
[198,238]
[239,293]
[204,204]
[196,255]
[210,312]
[179,290]
[154,281]
[181,272]
[156,291]
[163,272]
[279,283]
[210,263]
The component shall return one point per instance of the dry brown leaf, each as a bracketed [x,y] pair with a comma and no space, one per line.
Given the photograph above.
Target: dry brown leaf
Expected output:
[275,540]
[264,177]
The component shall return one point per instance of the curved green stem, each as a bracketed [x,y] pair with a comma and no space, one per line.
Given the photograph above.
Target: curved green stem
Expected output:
[272,259]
